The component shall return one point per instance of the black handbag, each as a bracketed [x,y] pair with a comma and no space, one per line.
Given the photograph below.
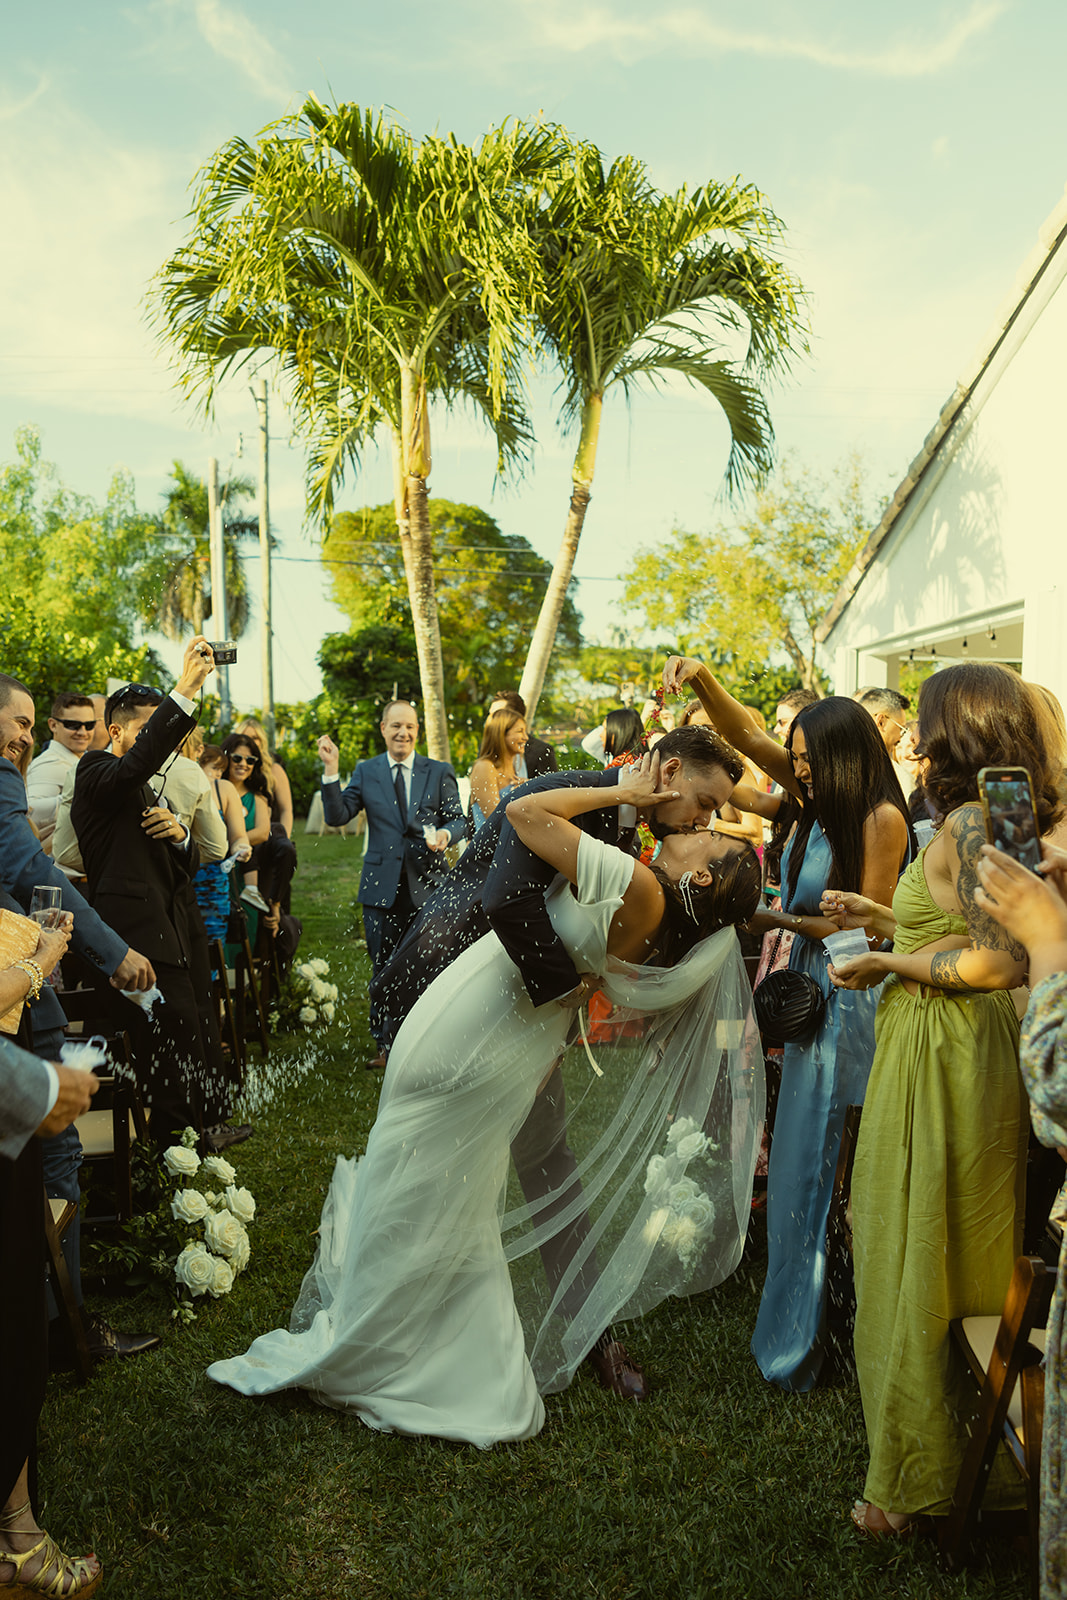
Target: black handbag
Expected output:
[789,1006]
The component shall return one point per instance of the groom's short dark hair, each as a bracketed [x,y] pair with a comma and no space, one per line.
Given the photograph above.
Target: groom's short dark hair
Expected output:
[697,745]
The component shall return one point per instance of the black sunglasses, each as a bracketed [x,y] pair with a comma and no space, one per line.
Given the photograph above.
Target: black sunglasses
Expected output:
[75,727]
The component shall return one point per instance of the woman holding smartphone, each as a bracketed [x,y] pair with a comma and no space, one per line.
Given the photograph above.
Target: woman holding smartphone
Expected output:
[937,1191]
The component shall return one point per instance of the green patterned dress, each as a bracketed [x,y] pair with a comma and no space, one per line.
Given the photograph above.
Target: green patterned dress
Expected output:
[937,1201]
[1044,1064]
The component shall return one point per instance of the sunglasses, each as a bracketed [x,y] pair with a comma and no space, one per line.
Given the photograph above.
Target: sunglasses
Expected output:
[76,727]
[245,761]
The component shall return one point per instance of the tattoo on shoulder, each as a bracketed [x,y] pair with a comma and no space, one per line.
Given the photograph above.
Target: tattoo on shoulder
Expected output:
[969,835]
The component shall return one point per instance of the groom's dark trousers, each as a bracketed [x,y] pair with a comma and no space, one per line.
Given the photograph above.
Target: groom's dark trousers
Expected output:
[499,886]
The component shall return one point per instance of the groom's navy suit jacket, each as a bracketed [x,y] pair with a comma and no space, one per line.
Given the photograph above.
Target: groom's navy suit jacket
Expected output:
[498,886]
[396,849]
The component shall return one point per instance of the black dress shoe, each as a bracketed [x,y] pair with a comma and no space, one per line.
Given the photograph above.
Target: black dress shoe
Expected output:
[105,1342]
[617,1371]
[223,1134]
[379,1063]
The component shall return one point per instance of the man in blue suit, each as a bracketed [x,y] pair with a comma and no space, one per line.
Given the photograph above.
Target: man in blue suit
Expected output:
[413,814]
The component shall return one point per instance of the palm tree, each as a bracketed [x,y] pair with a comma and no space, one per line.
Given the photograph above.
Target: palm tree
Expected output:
[185,598]
[640,285]
[378,273]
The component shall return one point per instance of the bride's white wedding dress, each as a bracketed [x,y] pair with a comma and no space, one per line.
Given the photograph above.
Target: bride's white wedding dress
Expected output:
[408,1315]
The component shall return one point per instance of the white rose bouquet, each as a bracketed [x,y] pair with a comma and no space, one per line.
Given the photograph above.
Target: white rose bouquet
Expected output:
[682,1213]
[197,1238]
[306,999]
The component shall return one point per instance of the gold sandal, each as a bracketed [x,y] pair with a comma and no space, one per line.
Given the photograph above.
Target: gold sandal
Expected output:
[53,1560]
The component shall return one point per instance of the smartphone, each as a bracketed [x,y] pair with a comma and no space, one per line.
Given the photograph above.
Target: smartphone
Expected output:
[1007,797]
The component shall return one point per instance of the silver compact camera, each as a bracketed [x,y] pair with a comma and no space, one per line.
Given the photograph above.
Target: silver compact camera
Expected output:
[224,651]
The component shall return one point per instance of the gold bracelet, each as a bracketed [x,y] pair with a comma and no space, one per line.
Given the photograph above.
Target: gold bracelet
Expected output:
[35,975]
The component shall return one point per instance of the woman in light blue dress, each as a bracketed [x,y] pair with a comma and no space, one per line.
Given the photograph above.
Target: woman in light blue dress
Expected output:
[835,764]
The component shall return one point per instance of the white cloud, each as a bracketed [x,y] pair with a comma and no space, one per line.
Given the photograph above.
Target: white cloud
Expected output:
[235,38]
[598,27]
[10,109]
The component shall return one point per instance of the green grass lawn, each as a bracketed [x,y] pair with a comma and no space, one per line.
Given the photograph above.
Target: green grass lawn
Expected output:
[719,1486]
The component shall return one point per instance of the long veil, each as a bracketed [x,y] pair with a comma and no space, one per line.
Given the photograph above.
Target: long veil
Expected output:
[665,1158]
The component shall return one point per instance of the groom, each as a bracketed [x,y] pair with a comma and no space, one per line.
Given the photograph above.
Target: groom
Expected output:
[499,885]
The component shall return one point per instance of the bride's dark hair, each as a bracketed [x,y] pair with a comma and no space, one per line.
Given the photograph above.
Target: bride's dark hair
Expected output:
[732,896]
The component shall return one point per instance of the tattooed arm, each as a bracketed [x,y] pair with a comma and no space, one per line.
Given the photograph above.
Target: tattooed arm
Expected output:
[992,960]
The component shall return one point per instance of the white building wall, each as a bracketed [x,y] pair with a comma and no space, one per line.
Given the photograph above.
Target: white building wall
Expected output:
[986,532]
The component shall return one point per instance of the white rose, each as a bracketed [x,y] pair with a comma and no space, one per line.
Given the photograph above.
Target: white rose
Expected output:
[221,1277]
[239,1259]
[680,1129]
[328,1010]
[655,1224]
[318,989]
[305,970]
[180,1162]
[216,1167]
[700,1212]
[331,991]
[194,1268]
[694,1144]
[681,1235]
[655,1174]
[308,1015]
[319,967]
[240,1203]
[682,1192]
[223,1233]
[189,1205]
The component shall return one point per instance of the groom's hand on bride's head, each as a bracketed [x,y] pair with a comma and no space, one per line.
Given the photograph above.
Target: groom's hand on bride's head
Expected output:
[329,755]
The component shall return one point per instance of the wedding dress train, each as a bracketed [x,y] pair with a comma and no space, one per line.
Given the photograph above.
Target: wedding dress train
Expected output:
[408,1315]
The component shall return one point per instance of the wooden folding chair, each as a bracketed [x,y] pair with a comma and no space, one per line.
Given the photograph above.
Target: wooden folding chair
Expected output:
[58,1215]
[109,1130]
[225,1011]
[1003,1355]
[251,1011]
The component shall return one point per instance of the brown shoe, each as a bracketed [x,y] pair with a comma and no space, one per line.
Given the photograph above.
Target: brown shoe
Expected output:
[379,1063]
[616,1371]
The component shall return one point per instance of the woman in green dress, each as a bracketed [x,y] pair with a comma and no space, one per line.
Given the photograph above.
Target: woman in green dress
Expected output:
[937,1191]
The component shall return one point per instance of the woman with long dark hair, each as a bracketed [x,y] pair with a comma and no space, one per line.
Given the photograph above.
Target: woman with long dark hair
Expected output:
[852,828]
[937,1192]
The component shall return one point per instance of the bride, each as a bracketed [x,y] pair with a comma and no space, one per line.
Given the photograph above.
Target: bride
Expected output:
[411,1315]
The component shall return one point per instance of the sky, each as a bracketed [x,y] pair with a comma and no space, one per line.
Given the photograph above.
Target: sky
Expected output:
[911,151]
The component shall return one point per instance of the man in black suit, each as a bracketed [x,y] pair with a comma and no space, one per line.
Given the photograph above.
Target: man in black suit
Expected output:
[140,862]
[499,886]
[413,814]
[538,756]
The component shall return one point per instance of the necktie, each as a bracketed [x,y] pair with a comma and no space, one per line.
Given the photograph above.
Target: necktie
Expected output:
[401,792]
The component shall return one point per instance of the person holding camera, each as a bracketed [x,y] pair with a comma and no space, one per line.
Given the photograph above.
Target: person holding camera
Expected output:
[140,861]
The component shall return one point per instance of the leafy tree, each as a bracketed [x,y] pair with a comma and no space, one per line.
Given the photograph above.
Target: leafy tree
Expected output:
[370,663]
[379,273]
[77,567]
[488,587]
[185,598]
[642,287]
[49,657]
[764,582]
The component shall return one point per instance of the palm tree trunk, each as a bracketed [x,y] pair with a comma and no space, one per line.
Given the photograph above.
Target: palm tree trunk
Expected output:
[544,634]
[418,564]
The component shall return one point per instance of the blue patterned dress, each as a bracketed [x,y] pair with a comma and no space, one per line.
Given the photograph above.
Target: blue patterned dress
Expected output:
[1043,1057]
[820,1081]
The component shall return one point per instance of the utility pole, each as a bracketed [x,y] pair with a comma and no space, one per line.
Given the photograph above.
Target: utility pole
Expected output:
[264,558]
[218,578]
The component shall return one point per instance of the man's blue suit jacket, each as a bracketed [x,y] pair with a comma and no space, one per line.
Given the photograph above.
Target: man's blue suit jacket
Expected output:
[394,849]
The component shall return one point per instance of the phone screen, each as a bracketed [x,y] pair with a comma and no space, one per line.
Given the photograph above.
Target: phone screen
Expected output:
[1010,821]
